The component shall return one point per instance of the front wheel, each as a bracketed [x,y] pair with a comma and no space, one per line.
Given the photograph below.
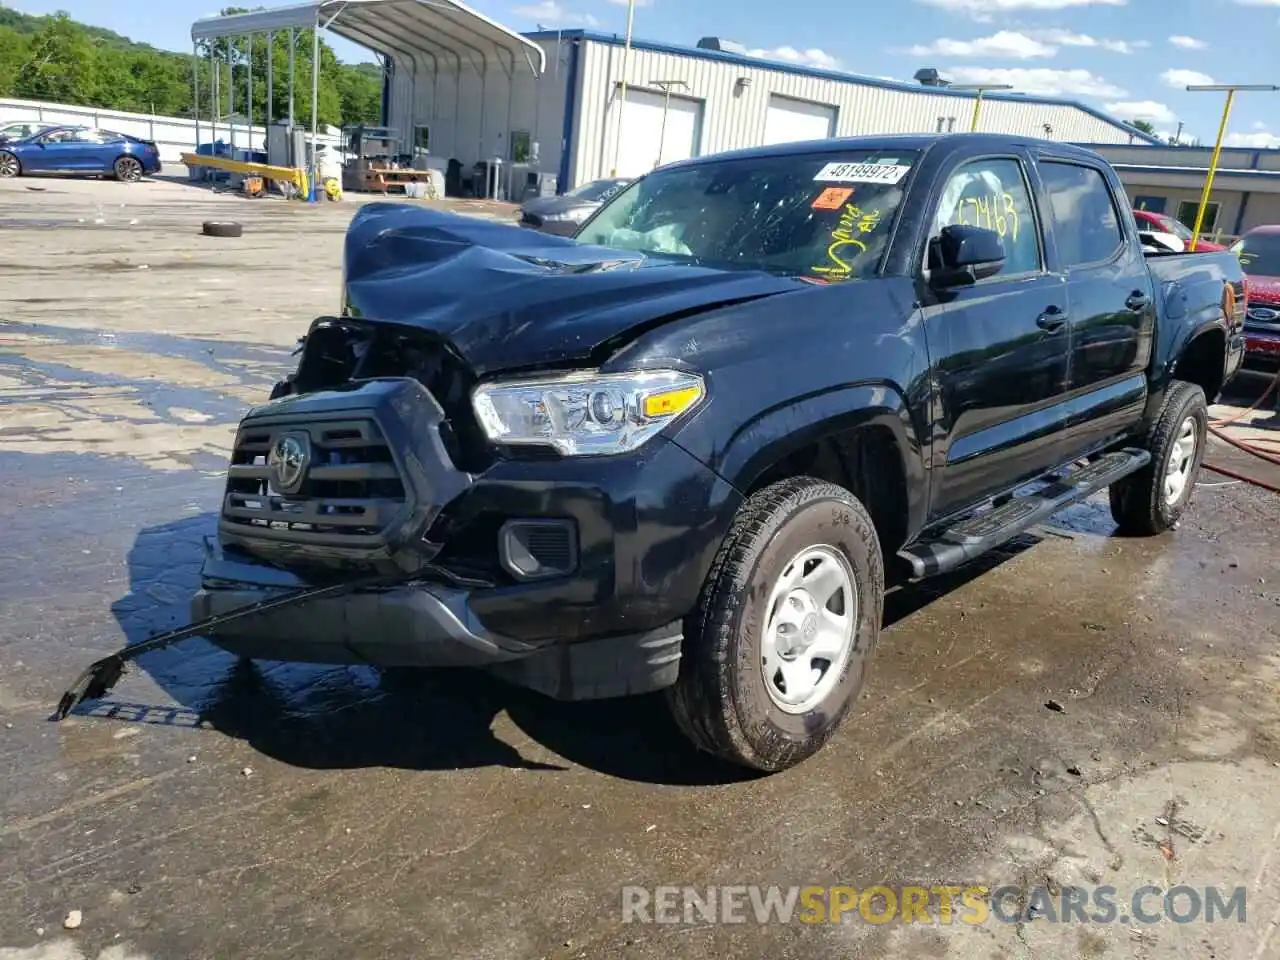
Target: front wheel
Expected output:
[9,165]
[128,170]
[1152,500]
[776,650]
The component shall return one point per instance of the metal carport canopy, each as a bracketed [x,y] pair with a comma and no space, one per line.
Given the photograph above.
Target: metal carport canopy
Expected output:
[404,28]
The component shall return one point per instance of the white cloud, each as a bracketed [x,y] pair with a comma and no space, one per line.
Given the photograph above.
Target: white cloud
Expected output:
[1259,125]
[1188,43]
[1037,44]
[550,13]
[639,3]
[812,57]
[1069,38]
[1017,46]
[1259,139]
[1185,78]
[1039,81]
[1148,110]
[1259,3]
[983,10]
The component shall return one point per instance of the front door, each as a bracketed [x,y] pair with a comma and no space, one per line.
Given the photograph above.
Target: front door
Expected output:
[1111,302]
[55,152]
[999,348]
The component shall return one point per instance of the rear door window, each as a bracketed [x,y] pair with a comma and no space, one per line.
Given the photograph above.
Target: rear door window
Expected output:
[1086,224]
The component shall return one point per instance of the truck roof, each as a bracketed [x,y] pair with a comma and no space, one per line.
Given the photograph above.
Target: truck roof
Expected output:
[977,142]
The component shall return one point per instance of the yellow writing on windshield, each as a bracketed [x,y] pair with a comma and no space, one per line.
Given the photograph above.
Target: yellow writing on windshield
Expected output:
[994,212]
[846,242]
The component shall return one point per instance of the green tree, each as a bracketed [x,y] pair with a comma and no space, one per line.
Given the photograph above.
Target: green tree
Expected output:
[60,64]
[1146,126]
[55,58]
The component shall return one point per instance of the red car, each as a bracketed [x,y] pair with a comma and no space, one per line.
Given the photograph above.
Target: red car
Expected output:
[1259,253]
[1163,223]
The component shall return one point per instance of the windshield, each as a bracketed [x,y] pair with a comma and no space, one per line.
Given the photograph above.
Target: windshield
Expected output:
[597,190]
[820,216]
[1259,254]
[1176,227]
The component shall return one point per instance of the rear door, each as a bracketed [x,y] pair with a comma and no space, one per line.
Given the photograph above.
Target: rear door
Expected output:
[1110,297]
[1000,347]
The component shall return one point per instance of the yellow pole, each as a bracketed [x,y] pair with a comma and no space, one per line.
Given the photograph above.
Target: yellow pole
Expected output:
[977,105]
[622,103]
[1213,168]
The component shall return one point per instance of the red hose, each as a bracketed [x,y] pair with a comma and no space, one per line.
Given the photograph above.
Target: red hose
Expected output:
[1246,446]
[1239,476]
[1275,381]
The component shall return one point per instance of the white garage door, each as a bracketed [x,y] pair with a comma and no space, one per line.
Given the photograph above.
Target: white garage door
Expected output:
[789,120]
[642,132]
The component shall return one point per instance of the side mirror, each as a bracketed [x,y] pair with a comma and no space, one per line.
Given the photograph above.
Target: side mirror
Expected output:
[963,255]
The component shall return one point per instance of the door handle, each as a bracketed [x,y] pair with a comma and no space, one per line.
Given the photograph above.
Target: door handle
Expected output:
[1137,301]
[1052,320]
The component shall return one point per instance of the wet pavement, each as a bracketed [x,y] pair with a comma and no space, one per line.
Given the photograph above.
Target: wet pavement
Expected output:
[1080,710]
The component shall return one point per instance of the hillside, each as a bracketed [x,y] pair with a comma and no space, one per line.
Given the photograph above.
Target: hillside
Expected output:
[60,59]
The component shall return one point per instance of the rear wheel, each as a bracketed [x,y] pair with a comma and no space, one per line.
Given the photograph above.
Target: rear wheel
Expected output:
[1152,500]
[776,651]
[128,170]
[9,165]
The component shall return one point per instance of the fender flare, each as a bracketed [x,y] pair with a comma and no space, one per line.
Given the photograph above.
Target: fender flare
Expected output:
[782,430]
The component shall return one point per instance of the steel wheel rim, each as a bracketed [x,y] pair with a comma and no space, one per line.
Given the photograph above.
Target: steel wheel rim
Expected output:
[129,169]
[8,165]
[806,644]
[1181,458]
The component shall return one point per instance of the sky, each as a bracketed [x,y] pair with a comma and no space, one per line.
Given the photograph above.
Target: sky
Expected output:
[1131,58]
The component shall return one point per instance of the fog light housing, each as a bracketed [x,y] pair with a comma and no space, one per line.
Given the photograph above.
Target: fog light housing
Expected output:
[538,549]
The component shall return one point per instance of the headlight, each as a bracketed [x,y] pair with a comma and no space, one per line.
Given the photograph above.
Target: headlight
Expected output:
[586,413]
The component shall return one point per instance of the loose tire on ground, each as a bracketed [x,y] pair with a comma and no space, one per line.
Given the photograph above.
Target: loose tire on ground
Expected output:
[1151,501]
[222,228]
[722,700]
[9,165]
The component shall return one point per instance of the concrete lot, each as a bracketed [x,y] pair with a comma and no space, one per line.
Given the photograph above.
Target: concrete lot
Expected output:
[211,809]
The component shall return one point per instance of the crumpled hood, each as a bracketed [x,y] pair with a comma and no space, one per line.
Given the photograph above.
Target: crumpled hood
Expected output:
[1264,289]
[507,297]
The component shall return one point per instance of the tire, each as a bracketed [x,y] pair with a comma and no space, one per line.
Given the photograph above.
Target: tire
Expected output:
[1152,500]
[10,166]
[222,228]
[128,169]
[726,696]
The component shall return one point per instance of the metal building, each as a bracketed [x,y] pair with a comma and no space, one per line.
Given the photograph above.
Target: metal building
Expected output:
[461,86]
[1168,179]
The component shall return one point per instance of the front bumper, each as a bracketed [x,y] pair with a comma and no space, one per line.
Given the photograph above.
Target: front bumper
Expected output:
[417,624]
[422,625]
[645,529]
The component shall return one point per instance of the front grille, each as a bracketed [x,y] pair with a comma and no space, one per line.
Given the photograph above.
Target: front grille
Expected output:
[1263,316]
[351,487]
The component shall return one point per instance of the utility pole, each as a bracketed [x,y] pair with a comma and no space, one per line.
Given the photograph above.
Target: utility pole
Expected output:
[1231,90]
[622,102]
[979,89]
[665,86]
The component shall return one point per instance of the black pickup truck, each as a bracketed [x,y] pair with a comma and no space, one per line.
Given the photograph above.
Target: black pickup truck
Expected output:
[685,449]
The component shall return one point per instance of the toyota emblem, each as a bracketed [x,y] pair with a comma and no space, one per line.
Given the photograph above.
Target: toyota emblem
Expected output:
[1264,314]
[290,455]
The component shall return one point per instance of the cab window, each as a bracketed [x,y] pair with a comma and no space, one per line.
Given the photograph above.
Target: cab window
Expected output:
[992,193]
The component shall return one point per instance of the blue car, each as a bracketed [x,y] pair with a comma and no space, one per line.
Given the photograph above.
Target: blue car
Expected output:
[80,150]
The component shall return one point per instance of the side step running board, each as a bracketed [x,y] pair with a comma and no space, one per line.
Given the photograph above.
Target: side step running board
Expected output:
[950,547]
